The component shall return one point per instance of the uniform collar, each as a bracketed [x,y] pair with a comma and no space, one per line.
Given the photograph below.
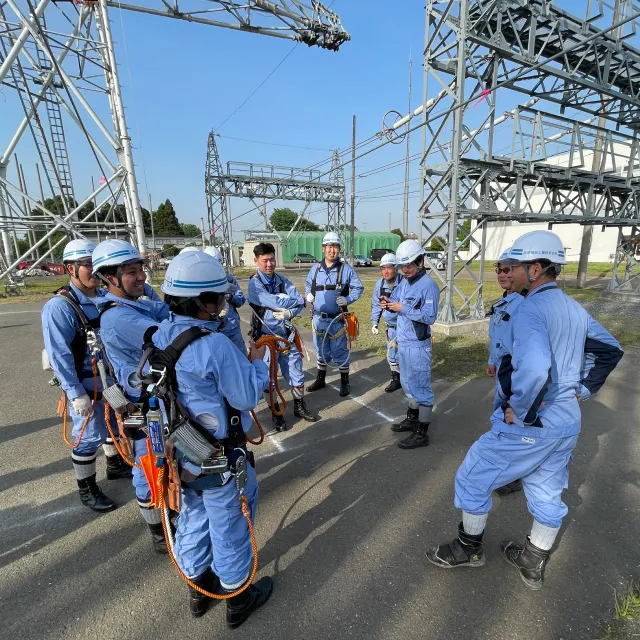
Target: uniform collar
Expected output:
[335,265]
[266,279]
[193,322]
[417,277]
[82,297]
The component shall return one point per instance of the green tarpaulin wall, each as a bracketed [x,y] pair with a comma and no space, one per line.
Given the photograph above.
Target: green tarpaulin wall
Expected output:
[311,242]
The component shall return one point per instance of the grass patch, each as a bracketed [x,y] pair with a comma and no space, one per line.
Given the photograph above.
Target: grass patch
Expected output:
[625,329]
[626,622]
[35,289]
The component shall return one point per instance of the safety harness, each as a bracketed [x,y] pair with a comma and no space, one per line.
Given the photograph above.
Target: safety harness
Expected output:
[338,286]
[257,318]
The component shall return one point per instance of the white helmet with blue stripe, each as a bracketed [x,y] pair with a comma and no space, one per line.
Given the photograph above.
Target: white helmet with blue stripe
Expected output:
[388,260]
[75,250]
[408,251]
[114,253]
[192,273]
[214,252]
[538,245]
[187,249]
[505,258]
[331,238]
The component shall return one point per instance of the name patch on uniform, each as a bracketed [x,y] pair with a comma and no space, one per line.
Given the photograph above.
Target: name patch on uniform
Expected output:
[528,440]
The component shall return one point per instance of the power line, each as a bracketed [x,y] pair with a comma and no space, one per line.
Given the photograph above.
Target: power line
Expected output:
[274,144]
[253,93]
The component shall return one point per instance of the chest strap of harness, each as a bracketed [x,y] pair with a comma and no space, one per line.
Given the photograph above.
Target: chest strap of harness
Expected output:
[338,286]
[256,326]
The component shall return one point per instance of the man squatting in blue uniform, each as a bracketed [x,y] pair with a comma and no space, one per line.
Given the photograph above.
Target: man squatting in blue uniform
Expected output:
[415,301]
[215,381]
[275,301]
[127,310]
[560,356]
[383,289]
[65,339]
[331,286]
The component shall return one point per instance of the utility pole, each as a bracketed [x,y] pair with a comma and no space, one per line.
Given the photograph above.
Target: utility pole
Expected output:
[204,244]
[587,233]
[389,221]
[405,212]
[352,238]
[153,231]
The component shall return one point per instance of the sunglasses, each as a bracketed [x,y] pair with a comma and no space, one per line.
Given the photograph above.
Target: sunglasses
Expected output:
[503,270]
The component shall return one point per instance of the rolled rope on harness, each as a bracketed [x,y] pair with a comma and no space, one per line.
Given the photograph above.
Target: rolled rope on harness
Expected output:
[116,441]
[170,544]
[272,343]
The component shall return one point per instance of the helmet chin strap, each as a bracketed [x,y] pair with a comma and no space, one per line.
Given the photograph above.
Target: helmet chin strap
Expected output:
[214,316]
[531,280]
[120,286]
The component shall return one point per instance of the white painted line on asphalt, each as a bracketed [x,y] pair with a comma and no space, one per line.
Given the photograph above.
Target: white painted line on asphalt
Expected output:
[361,402]
[315,443]
[370,379]
[276,443]
[17,313]
[44,516]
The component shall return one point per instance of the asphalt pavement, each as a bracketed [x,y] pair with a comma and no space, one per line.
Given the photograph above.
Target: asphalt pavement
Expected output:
[344,519]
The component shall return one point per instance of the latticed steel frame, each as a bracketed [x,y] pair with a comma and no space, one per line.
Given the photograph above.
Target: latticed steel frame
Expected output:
[68,66]
[477,50]
[337,213]
[267,182]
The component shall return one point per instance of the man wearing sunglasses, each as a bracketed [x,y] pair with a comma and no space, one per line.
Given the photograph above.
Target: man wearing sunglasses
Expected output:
[561,356]
[500,339]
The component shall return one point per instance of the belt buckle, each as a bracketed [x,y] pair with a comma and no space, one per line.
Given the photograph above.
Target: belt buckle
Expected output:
[240,471]
[219,464]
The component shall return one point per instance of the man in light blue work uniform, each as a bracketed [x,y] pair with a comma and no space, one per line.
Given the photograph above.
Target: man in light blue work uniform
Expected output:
[415,300]
[274,301]
[331,286]
[214,383]
[232,326]
[126,312]
[560,356]
[383,289]
[67,319]
[501,340]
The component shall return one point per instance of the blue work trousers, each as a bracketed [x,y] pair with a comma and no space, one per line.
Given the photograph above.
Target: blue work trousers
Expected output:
[496,459]
[415,373]
[392,345]
[290,366]
[330,349]
[95,432]
[213,532]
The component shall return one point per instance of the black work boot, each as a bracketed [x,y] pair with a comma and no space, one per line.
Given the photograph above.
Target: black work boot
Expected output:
[198,602]
[117,468]
[529,560]
[345,387]
[418,438]
[92,496]
[240,607]
[511,487]
[319,382]
[300,410]
[279,423]
[465,551]
[410,423]
[394,385]
[157,538]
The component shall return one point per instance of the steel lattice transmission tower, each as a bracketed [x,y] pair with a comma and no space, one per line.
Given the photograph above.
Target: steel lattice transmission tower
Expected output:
[555,167]
[65,66]
[337,213]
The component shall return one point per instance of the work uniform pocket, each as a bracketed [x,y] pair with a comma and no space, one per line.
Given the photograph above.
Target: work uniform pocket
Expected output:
[481,468]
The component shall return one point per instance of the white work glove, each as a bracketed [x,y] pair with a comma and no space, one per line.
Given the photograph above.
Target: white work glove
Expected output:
[82,405]
[282,314]
[375,330]
[341,301]
[282,296]
[310,298]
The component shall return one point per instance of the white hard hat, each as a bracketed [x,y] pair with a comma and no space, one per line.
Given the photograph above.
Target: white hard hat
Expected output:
[388,259]
[193,273]
[78,250]
[505,257]
[214,252]
[538,245]
[331,238]
[408,251]
[114,253]
[187,249]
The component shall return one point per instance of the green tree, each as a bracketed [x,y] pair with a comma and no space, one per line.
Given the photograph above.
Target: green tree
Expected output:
[170,250]
[166,221]
[463,233]
[398,233]
[347,227]
[284,219]
[437,244]
[190,230]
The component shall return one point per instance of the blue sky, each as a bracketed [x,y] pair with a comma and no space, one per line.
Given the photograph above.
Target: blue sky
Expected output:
[180,80]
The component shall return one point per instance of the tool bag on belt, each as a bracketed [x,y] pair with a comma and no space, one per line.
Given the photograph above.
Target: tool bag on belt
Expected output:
[191,440]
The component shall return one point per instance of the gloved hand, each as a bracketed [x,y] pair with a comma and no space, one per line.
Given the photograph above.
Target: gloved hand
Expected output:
[224,311]
[82,405]
[341,301]
[282,314]
[310,298]
[282,296]
[375,330]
